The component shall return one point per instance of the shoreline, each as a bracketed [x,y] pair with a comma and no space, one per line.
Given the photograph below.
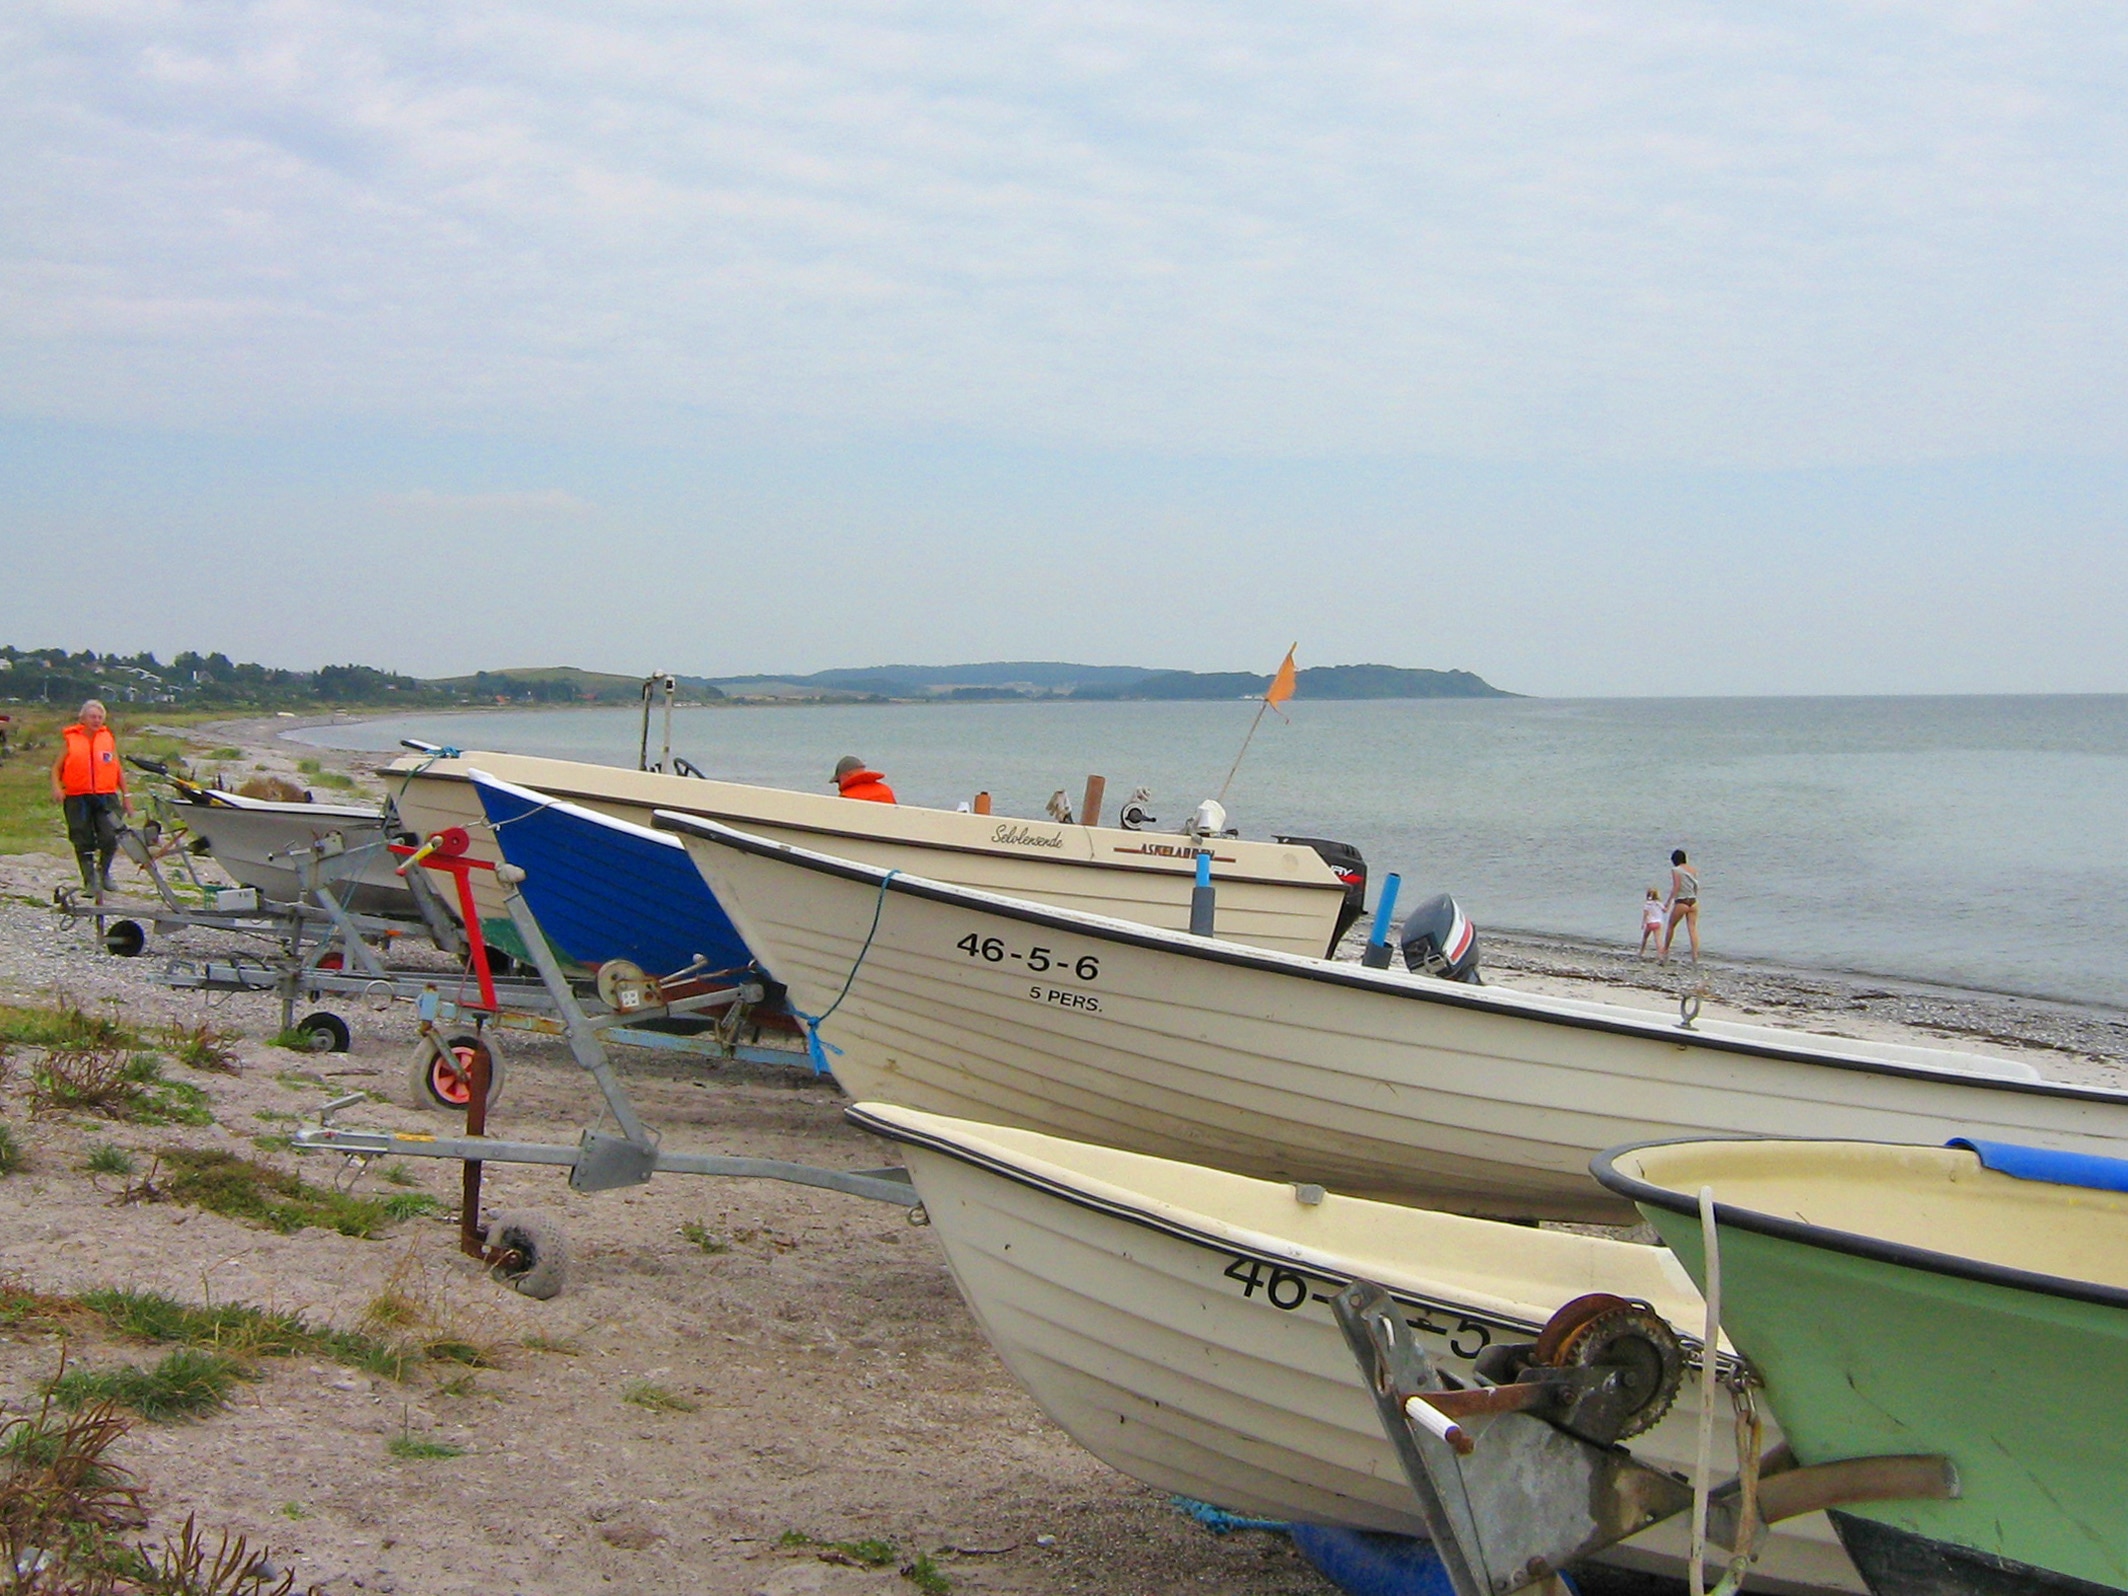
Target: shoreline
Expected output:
[1769,991]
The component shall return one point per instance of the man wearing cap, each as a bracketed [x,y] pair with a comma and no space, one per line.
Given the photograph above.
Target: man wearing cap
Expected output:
[90,786]
[854,780]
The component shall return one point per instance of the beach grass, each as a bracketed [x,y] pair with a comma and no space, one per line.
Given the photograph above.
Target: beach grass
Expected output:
[63,1023]
[10,1150]
[244,1188]
[185,1384]
[657,1398]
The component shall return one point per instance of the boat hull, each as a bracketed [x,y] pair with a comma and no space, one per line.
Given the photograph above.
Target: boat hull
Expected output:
[1273,895]
[1911,1312]
[1176,1322]
[251,840]
[1370,1082]
[602,889]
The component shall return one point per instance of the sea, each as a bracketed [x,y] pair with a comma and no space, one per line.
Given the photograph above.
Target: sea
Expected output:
[1972,842]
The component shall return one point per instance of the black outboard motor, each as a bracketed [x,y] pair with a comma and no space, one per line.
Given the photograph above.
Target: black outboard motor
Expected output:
[1351,869]
[1439,939]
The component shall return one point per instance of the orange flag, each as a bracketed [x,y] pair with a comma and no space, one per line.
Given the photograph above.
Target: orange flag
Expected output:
[1281,687]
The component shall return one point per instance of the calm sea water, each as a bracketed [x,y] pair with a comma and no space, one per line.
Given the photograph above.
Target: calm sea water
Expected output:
[1981,842]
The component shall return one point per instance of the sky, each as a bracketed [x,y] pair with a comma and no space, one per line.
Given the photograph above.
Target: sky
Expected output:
[1598,348]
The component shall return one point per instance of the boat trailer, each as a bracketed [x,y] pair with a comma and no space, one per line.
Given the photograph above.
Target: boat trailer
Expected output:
[526,1249]
[1522,1473]
[320,948]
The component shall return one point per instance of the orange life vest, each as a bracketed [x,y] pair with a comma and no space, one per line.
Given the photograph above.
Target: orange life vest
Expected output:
[90,762]
[868,784]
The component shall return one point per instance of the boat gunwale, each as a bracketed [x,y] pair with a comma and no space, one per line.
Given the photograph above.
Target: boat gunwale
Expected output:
[862,1116]
[1357,977]
[1875,1249]
[542,801]
[1183,866]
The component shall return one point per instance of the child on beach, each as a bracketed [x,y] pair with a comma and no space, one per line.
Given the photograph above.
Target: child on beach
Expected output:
[1651,920]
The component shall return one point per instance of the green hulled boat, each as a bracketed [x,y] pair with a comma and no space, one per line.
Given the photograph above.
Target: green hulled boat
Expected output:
[1928,1300]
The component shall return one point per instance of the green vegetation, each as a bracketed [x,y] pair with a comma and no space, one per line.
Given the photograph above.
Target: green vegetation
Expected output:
[926,1576]
[657,1398]
[202,1047]
[108,1158]
[66,1024]
[703,1237]
[10,1150]
[185,1384]
[64,1507]
[872,1552]
[295,1510]
[535,1342]
[243,1188]
[117,1084]
[413,1446]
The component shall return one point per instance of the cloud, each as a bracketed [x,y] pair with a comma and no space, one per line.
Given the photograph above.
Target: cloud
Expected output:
[1856,232]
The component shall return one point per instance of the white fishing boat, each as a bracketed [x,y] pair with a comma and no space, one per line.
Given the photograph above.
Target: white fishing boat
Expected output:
[1373,1082]
[1279,894]
[1176,1322]
[256,840]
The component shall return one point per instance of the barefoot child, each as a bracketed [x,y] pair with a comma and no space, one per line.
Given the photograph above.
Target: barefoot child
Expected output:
[1651,920]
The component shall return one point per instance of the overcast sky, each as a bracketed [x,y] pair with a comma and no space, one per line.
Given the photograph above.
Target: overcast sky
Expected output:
[1597,347]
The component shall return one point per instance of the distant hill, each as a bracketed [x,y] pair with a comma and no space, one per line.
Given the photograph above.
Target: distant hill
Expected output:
[1054,679]
[55,676]
[560,684]
[1317,681]
[999,678]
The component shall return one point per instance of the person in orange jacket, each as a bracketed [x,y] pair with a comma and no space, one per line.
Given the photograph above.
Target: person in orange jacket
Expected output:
[854,780]
[89,784]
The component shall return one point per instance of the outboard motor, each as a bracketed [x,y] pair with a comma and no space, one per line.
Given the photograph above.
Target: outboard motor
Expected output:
[1351,869]
[1439,939]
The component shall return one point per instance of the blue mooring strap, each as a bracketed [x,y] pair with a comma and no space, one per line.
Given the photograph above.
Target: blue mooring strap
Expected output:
[2045,1164]
[814,1044]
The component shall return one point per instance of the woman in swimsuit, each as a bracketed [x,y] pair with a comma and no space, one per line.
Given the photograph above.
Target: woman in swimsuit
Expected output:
[1683,903]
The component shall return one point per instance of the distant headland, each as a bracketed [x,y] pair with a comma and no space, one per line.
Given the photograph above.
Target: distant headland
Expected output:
[210,681]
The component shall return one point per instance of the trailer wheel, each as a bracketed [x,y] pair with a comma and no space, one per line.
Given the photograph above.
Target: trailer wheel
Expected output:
[325,1033]
[443,1071]
[534,1256]
[125,938]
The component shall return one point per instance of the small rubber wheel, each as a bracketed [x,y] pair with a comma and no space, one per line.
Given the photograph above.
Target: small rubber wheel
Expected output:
[443,1072]
[535,1256]
[327,1033]
[125,938]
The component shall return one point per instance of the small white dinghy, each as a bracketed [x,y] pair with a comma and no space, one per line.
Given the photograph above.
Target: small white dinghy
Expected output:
[1176,1322]
[1374,1082]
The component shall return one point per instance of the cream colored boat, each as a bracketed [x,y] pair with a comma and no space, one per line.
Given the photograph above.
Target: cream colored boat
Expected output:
[1176,1322]
[1273,894]
[1377,1083]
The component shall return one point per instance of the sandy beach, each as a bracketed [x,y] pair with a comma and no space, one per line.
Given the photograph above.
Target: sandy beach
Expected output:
[821,1382]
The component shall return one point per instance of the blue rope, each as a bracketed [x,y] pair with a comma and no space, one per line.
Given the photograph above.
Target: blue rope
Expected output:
[1219,1521]
[814,1045]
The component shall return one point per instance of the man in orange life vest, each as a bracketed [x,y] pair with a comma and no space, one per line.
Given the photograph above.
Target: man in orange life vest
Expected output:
[855,781]
[90,785]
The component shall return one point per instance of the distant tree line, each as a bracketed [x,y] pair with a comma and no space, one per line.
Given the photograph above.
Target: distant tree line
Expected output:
[214,681]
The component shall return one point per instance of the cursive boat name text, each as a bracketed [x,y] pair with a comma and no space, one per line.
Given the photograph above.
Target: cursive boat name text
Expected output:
[1021,837]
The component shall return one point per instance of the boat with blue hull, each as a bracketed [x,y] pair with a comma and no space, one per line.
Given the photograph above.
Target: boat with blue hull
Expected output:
[603,889]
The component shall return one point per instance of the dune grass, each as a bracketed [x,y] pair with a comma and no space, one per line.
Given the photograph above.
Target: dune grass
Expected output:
[185,1384]
[243,1188]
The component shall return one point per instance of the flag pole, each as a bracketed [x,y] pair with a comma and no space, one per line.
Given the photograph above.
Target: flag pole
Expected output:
[1258,721]
[1282,678]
